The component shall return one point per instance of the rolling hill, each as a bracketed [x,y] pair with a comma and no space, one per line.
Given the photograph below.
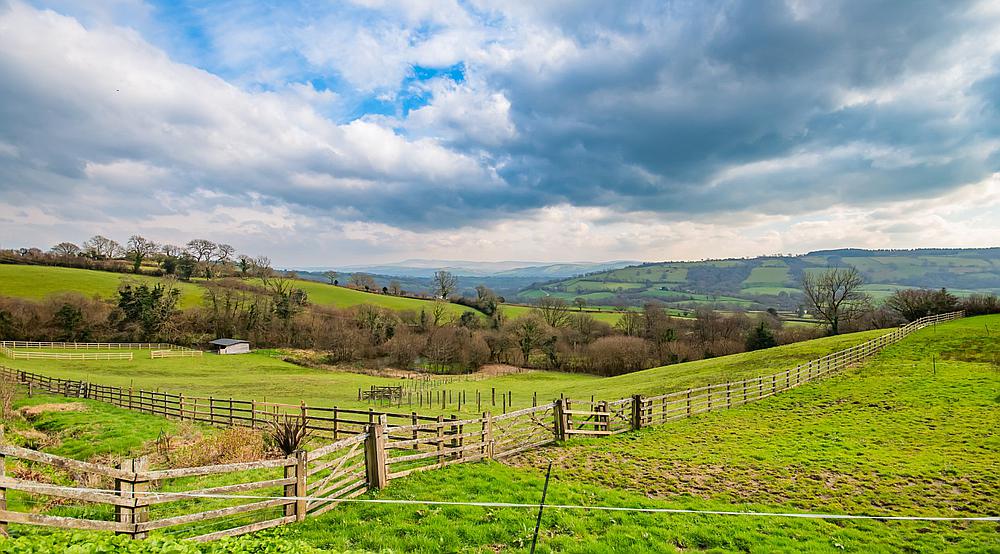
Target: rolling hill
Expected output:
[773,281]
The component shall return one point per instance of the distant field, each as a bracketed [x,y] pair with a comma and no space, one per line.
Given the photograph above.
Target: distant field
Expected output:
[261,376]
[38,282]
[341,297]
[755,284]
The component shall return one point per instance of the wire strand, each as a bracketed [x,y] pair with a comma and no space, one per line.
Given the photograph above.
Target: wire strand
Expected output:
[554,506]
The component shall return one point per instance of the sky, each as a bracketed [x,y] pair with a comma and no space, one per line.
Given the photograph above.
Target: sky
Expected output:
[331,133]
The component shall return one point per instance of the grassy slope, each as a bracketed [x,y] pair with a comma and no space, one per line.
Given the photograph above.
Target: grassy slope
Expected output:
[257,376]
[887,437]
[341,297]
[38,282]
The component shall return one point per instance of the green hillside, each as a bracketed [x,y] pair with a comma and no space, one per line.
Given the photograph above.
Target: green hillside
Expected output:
[37,282]
[341,297]
[767,282]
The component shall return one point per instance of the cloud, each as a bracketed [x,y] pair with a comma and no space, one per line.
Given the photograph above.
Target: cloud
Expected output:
[632,130]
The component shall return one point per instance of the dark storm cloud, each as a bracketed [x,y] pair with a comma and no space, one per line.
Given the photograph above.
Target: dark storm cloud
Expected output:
[691,108]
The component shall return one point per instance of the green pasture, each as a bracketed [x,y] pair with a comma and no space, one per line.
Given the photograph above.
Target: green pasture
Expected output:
[325,294]
[899,435]
[39,282]
[265,376]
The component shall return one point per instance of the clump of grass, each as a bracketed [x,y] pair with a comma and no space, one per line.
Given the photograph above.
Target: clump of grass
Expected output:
[288,433]
[232,445]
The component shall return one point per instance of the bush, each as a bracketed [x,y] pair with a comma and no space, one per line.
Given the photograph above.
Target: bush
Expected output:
[618,355]
[760,337]
[289,433]
[981,304]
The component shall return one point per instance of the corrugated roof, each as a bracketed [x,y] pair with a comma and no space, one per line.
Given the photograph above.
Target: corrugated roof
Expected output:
[228,342]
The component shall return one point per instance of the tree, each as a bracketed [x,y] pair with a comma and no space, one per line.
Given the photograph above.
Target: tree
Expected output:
[245,263]
[102,248]
[66,249]
[186,266]
[580,303]
[631,323]
[223,253]
[527,333]
[201,250]
[760,337]
[363,281]
[331,276]
[554,310]
[835,296]
[171,250]
[146,308]
[395,288]
[914,304]
[138,249]
[69,319]
[444,284]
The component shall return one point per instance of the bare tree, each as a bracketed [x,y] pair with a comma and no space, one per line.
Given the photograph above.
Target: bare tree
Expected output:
[363,281]
[580,303]
[66,249]
[444,284]
[835,295]
[102,248]
[395,288]
[138,249]
[201,250]
[554,310]
[171,250]
[224,253]
[331,276]
[261,268]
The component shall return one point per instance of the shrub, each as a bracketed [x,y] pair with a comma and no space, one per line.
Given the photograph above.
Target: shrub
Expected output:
[232,445]
[289,433]
[618,355]
[981,304]
[760,337]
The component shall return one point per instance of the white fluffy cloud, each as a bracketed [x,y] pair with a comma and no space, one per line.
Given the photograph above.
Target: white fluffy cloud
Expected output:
[569,130]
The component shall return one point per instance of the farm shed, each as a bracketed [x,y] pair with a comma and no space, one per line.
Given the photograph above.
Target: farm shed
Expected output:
[230,346]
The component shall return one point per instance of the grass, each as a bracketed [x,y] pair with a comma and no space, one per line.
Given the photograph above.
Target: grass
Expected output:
[892,436]
[259,375]
[342,297]
[98,430]
[39,282]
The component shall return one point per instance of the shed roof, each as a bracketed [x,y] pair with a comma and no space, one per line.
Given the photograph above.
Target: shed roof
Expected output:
[228,342]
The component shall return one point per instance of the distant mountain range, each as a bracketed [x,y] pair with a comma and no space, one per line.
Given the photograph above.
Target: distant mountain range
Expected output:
[420,268]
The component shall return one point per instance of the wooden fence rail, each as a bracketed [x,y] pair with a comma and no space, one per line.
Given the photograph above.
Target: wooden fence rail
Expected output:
[376,447]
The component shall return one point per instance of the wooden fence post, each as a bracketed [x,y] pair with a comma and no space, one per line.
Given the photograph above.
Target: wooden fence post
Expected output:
[487,435]
[559,421]
[300,484]
[375,460]
[3,490]
[638,405]
[139,511]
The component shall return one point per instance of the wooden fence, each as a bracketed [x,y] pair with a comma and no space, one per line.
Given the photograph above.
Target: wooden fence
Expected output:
[377,447]
[15,350]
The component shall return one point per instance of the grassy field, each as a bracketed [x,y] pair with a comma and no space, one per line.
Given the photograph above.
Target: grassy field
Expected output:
[341,297]
[38,282]
[892,436]
[261,376]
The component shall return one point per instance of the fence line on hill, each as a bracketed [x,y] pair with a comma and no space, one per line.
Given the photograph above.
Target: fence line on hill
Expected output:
[382,447]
